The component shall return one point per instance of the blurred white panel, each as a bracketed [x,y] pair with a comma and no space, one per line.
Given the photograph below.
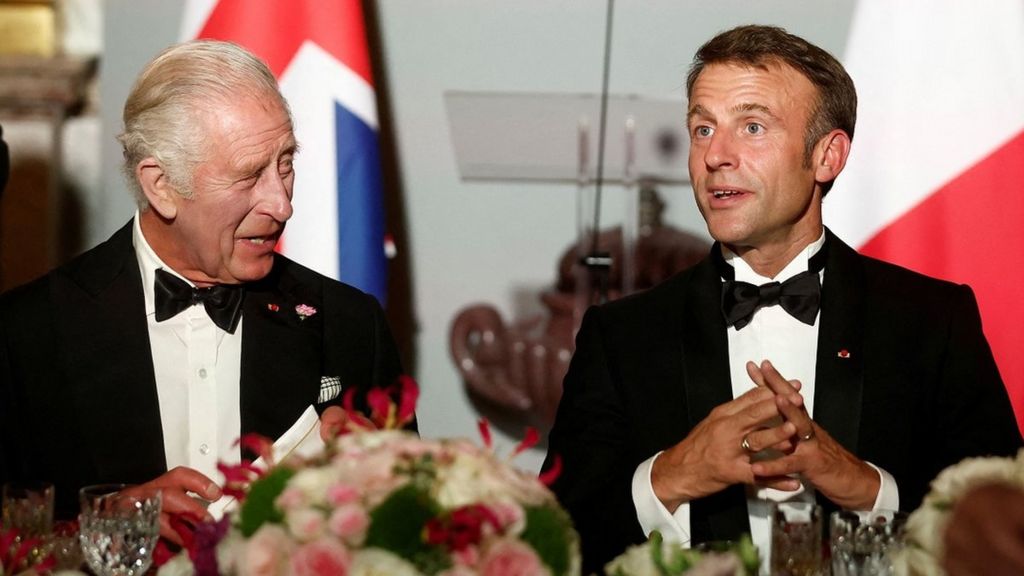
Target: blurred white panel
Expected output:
[521,136]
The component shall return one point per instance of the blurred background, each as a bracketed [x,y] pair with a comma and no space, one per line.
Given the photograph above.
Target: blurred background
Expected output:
[480,106]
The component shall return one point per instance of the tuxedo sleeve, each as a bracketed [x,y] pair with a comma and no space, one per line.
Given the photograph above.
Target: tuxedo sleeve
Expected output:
[591,438]
[975,417]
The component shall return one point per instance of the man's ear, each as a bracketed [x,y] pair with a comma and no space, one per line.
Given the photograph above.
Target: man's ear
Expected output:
[157,187]
[830,156]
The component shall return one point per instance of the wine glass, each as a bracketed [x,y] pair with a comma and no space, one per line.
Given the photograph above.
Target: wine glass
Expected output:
[118,528]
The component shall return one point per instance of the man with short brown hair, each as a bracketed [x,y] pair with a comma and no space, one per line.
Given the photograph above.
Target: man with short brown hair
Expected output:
[784,366]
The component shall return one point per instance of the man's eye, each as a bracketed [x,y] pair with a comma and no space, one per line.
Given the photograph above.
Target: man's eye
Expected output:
[753,128]
[702,131]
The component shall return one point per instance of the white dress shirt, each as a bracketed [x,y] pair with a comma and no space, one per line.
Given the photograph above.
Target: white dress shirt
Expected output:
[197,367]
[792,347]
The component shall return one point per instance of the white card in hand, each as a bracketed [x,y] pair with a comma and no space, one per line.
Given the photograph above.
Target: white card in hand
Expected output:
[302,439]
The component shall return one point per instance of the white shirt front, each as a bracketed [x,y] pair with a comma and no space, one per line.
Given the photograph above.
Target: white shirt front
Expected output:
[197,367]
[791,345]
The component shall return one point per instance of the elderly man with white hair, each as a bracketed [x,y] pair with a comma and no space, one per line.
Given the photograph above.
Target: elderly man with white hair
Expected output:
[143,360]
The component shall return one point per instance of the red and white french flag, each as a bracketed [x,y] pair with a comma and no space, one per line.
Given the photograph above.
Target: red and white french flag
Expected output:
[318,51]
[935,180]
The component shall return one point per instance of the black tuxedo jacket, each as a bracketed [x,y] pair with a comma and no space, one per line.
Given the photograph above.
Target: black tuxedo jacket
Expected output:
[917,391]
[78,400]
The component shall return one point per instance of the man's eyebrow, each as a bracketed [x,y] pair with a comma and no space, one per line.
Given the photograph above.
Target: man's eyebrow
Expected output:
[696,110]
[752,107]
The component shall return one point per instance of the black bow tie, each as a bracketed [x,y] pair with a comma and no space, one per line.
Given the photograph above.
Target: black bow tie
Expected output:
[800,295]
[223,302]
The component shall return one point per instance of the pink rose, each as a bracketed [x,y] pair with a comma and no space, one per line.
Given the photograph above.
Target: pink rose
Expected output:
[349,522]
[511,558]
[324,557]
[509,515]
[342,494]
[290,498]
[305,523]
[468,556]
[266,552]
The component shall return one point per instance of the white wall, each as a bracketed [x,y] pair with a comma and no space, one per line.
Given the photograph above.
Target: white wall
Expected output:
[474,241]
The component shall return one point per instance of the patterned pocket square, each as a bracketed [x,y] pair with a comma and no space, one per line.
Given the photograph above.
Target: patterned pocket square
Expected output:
[330,388]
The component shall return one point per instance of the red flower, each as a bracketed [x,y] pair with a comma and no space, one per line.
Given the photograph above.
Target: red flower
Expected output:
[462,528]
[385,412]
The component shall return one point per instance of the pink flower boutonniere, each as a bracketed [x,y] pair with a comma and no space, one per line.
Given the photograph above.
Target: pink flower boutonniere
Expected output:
[304,311]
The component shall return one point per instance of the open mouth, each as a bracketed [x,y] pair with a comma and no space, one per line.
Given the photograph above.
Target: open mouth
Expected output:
[721,194]
[261,240]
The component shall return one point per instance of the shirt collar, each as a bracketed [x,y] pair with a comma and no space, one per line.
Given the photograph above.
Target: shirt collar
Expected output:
[149,263]
[798,264]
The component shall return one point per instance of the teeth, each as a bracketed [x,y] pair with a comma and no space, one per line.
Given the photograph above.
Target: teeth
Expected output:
[724,193]
[257,240]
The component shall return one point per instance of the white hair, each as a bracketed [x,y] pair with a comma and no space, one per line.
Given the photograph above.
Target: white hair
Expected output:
[163,112]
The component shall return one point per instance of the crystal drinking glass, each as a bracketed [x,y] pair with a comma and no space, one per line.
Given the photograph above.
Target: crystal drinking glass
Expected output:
[863,543]
[796,539]
[118,528]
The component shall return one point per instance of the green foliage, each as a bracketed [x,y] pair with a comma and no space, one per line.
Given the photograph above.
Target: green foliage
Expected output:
[677,561]
[397,525]
[550,533]
[748,555]
[258,507]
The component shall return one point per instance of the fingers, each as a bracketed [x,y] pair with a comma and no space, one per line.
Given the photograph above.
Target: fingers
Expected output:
[167,531]
[804,427]
[776,437]
[745,401]
[186,480]
[766,375]
[788,400]
[175,487]
[332,421]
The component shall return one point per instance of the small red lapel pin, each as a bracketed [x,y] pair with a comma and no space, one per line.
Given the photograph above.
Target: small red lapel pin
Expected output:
[844,354]
[273,307]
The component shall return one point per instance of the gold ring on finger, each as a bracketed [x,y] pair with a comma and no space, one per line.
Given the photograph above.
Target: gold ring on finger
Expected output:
[745,444]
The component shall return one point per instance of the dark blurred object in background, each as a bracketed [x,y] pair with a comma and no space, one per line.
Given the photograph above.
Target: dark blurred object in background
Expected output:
[5,162]
[513,371]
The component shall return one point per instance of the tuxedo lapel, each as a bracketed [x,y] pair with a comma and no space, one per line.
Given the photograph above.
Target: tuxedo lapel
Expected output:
[838,380]
[101,308]
[281,353]
[705,353]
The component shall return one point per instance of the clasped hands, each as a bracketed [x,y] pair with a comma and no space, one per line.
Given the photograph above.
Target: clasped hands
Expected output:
[186,492]
[718,451]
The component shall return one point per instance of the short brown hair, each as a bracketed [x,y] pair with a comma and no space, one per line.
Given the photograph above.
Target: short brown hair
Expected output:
[759,46]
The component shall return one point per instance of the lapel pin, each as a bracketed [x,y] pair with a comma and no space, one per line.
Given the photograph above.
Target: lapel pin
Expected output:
[273,307]
[844,354]
[304,311]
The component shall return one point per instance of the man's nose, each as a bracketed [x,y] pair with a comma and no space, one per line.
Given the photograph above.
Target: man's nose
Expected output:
[721,151]
[277,198]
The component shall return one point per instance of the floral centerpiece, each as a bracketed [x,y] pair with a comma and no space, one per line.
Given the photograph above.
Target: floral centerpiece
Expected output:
[656,557]
[384,501]
[926,527]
